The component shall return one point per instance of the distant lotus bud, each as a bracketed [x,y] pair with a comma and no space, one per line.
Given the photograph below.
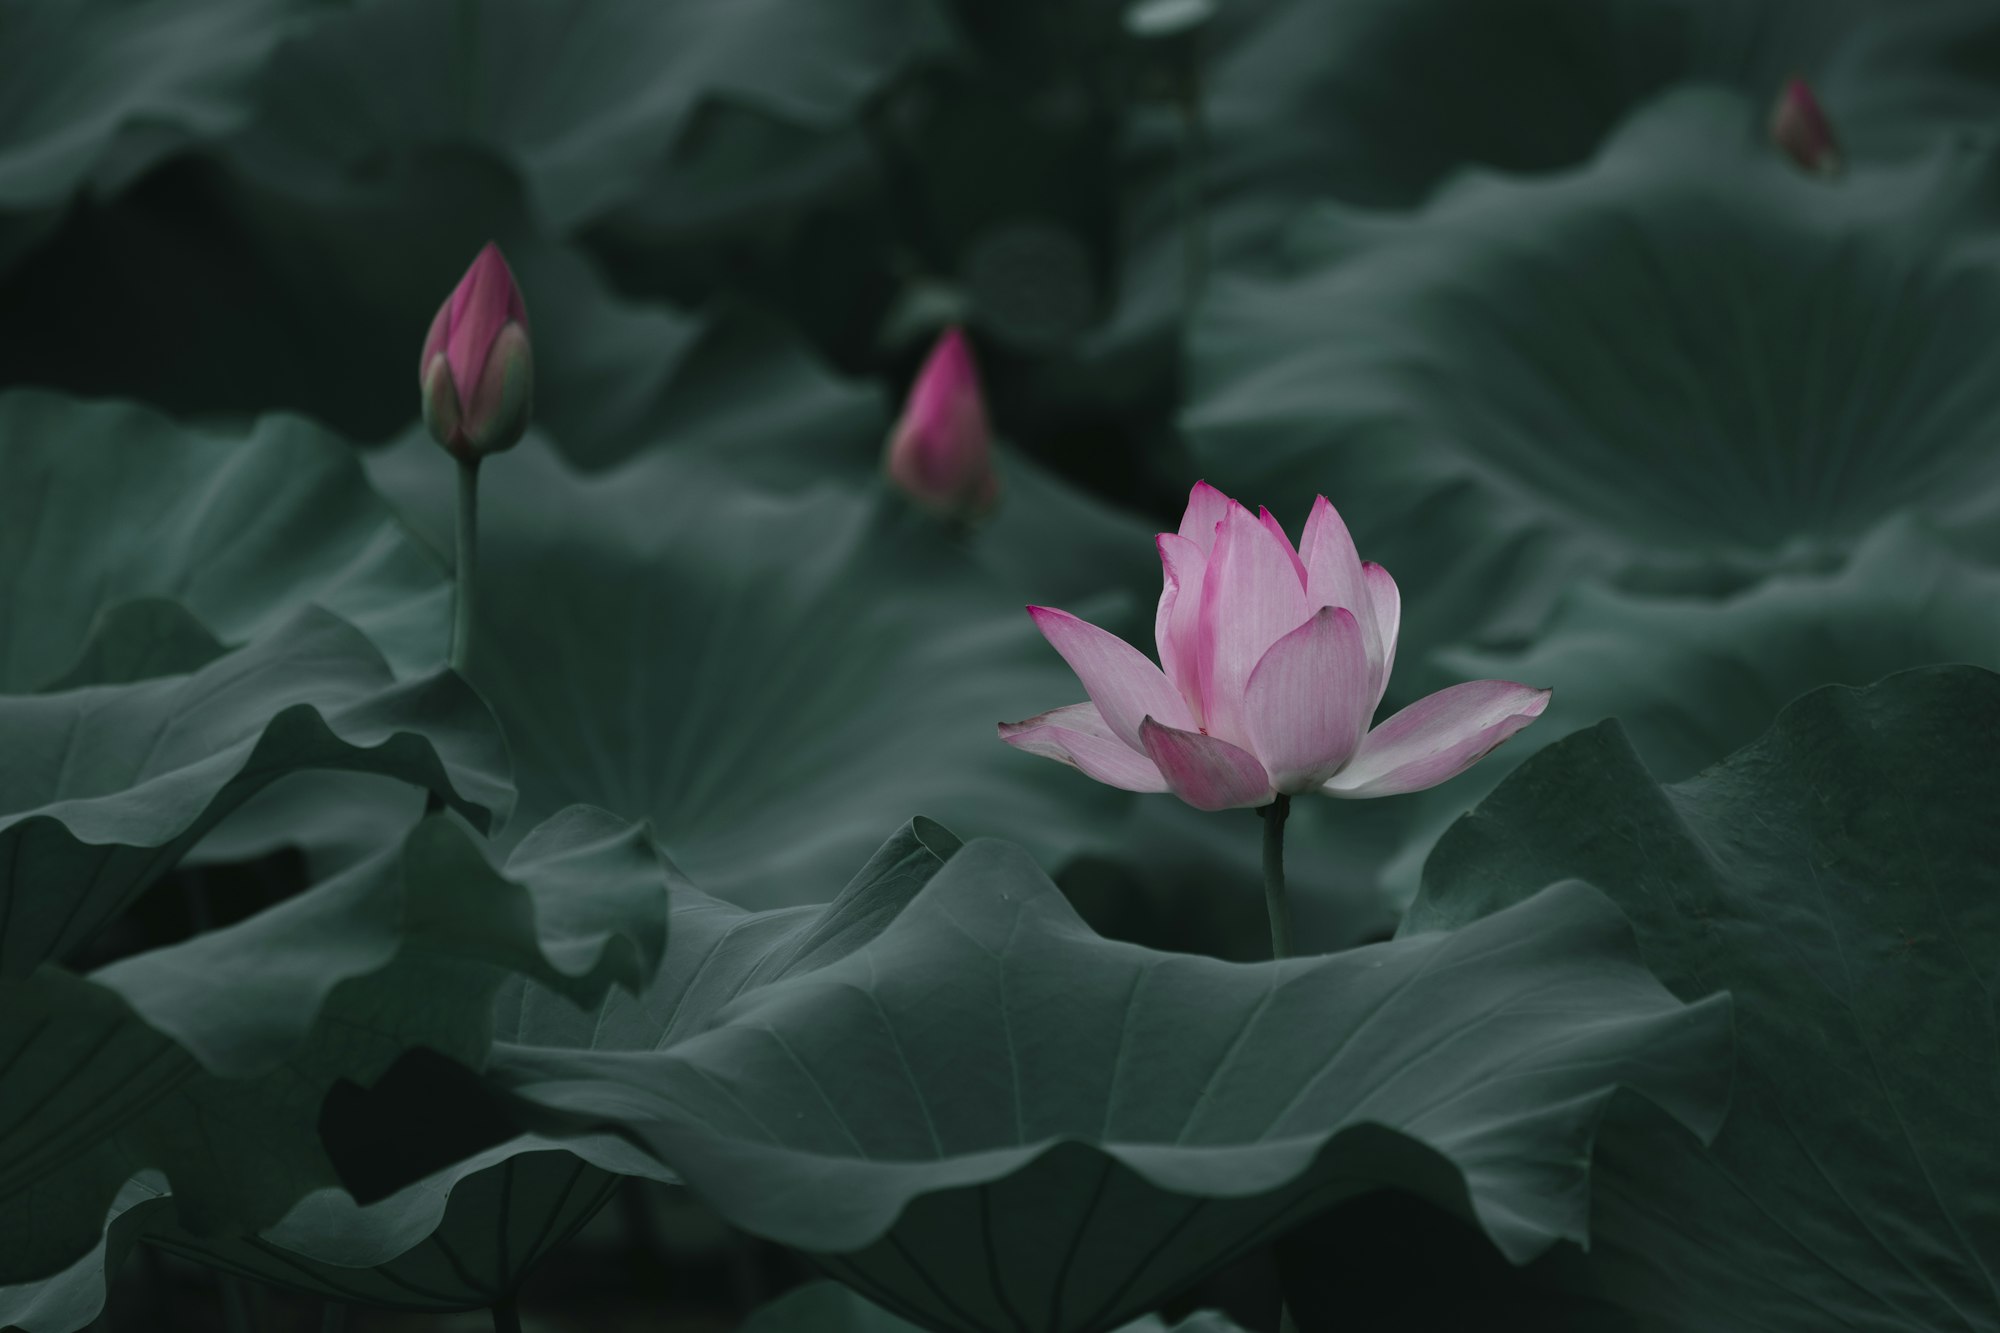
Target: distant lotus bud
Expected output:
[1799,126]
[477,372]
[941,453]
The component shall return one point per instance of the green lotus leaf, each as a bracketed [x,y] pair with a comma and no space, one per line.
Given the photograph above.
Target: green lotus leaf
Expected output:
[718,951]
[828,1307]
[989,1117]
[206,1061]
[133,641]
[72,1298]
[580,130]
[773,679]
[460,1241]
[104,90]
[446,1246]
[1841,876]
[107,786]
[1378,101]
[115,517]
[1693,679]
[1682,367]
[463,1236]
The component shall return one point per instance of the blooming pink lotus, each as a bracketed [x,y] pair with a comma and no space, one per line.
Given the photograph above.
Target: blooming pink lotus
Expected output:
[940,453]
[477,372]
[1800,127]
[1275,660]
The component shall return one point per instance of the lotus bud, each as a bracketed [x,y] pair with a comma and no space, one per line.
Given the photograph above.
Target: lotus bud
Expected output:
[940,453]
[477,371]
[1799,126]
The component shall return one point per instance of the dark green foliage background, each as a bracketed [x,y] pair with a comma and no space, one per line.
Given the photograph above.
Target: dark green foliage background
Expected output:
[1628,403]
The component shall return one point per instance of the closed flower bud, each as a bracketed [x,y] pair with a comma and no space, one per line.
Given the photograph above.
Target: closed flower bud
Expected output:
[1799,126]
[477,371]
[940,453]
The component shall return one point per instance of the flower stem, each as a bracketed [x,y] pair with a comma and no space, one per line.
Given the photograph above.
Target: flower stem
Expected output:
[1280,910]
[1275,902]
[506,1316]
[468,561]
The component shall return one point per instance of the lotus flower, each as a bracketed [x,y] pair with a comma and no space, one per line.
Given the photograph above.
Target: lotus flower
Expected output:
[940,453]
[477,372]
[1275,660]
[1800,127]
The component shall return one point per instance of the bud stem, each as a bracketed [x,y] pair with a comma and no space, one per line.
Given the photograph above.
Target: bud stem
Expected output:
[468,562]
[1275,903]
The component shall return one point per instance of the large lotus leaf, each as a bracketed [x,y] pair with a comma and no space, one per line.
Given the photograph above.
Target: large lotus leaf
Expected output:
[461,1246]
[1376,101]
[463,1235]
[716,952]
[103,88]
[107,786]
[206,1061]
[388,78]
[1841,876]
[773,679]
[828,1307]
[1681,367]
[467,1234]
[114,513]
[463,1241]
[1692,679]
[989,1117]
[71,1299]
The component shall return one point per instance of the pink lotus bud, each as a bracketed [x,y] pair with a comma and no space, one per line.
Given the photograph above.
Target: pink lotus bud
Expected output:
[1799,126]
[1273,660]
[941,453]
[477,372]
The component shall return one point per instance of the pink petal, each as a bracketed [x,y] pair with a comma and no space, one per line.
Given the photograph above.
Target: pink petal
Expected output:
[1176,626]
[484,301]
[1125,686]
[1250,598]
[1205,509]
[1308,702]
[1386,602]
[434,341]
[940,452]
[1077,736]
[1277,529]
[1438,737]
[1333,571]
[1207,773]
[496,411]
[1799,125]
